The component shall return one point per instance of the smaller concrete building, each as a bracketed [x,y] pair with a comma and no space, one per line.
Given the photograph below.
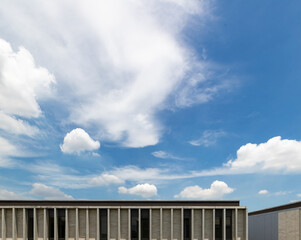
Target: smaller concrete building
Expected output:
[277,223]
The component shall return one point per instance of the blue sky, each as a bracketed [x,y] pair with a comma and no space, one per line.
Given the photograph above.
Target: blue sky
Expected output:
[161,99]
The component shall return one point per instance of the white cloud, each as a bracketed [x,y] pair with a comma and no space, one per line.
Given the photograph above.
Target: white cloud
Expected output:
[166,155]
[299,195]
[117,63]
[78,141]
[282,193]
[16,126]
[105,179]
[217,190]
[209,137]
[8,150]
[22,83]
[276,156]
[48,193]
[263,192]
[144,190]
[7,195]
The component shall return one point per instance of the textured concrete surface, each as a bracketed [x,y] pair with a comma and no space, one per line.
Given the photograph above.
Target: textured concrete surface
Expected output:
[288,225]
[88,230]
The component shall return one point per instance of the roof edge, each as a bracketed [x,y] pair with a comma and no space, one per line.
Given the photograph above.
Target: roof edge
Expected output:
[119,202]
[277,208]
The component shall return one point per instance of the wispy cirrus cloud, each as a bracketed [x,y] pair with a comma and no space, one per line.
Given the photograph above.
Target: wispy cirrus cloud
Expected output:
[208,138]
[120,65]
[166,155]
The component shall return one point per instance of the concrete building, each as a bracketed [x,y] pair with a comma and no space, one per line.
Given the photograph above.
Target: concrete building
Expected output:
[277,223]
[123,220]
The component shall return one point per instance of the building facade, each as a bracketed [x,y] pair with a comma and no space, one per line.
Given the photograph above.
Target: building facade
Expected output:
[277,223]
[123,220]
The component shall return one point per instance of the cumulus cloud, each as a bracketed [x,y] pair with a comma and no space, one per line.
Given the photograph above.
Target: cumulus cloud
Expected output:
[48,193]
[7,195]
[208,138]
[144,190]
[217,190]
[117,63]
[276,156]
[105,179]
[263,192]
[78,141]
[22,82]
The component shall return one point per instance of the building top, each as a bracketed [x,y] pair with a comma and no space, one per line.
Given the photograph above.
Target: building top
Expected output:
[277,208]
[98,203]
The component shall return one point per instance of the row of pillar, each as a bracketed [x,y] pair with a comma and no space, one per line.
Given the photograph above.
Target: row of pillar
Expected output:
[45,233]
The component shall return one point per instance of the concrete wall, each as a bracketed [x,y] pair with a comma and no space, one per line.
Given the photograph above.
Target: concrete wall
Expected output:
[177,224]
[289,225]
[279,225]
[197,226]
[166,223]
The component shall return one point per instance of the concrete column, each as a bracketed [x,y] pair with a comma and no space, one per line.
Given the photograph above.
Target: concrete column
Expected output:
[97,225]
[108,214]
[24,224]
[139,224]
[213,224]
[55,224]
[192,224]
[182,223]
[150,224]
[87,224]
[203,224]
[66,224]
[171,223]
[129,224]
[247,226]
[14,232]
[236,225]
[45,224]
[35,224]
[161,225]
[3,225]
[224,224]
[76,224]
[118,222]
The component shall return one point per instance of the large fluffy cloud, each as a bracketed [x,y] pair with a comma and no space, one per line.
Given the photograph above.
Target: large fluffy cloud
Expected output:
[78,141]
[48,193]
[276,156]
[217,190]
[144,190]
[22,84]
[117,62]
